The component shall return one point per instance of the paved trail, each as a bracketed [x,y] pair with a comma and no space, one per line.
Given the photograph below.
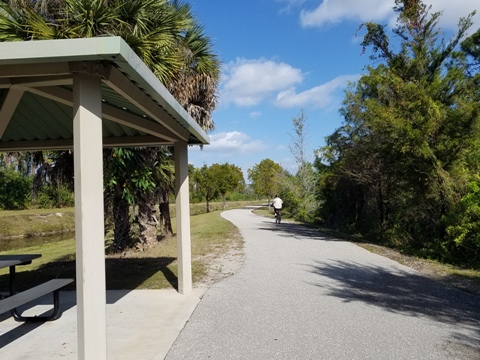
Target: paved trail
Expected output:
[301,295]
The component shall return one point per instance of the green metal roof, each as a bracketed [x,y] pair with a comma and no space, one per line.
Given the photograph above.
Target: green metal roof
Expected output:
[36,91]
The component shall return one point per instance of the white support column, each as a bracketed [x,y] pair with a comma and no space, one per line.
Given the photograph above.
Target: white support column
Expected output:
[184,249]
[90,249]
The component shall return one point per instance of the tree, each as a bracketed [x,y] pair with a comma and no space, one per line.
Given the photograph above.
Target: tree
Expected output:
[267,178]
[471,47]
[164,34]
[123,178]
[228,178]
[303,184]
[397,165]
[206,183]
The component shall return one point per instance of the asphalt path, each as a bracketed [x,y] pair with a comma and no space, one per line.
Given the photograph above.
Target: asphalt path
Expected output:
[303,295]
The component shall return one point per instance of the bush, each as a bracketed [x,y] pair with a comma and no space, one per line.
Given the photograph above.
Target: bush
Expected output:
[463,230]
[43,201]
[15,190]
[237,196]
[290,204]
[55,197]
[62,196]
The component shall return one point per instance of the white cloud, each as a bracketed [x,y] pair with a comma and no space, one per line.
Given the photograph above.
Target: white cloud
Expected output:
[255,114]
[233,143]
[248,82]
[452,11]
[336,11]
[323,96]
[289,5]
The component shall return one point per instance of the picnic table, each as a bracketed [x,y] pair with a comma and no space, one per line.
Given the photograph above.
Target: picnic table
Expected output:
[14,300]
[11,261]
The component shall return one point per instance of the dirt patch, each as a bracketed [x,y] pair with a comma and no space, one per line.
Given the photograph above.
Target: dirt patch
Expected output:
[224,263]
[222,266]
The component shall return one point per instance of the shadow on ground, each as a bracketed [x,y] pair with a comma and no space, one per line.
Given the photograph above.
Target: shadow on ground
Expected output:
[121,273]
[296,231]
[404,292]
[396,291]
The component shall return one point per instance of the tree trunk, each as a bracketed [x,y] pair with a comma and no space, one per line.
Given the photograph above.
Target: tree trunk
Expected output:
[121,231]
[107,219]
[165,219]
[147,220]
[224,202]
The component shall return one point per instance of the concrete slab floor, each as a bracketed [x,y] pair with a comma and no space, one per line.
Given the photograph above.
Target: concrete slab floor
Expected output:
[141,324]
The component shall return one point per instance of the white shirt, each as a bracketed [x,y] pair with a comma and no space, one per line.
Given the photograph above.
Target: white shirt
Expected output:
[277,203]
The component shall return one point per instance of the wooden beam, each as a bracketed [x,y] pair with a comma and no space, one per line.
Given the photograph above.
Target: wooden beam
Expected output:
[8,107]
[67,144]
[41,69]
[5,83]
[111,113]
[64,144]
[128,90]
[38,81]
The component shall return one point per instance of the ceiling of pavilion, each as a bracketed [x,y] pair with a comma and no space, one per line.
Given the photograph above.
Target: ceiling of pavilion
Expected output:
[36,96]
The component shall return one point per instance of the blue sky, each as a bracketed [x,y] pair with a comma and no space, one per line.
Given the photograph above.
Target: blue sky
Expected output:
[280,57]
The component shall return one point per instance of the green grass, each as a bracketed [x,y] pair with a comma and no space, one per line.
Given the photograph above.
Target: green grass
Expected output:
[35,222]
[32,223]
[154,268]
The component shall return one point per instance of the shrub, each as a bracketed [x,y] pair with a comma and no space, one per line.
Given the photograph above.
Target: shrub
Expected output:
[62,196]
[43,201]
[463,228]
[15,190]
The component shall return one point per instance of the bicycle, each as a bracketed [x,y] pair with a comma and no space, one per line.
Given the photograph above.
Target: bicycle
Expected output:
[278,216]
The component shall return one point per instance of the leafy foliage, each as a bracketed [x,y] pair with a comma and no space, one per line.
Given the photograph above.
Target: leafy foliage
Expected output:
[15,190]
[228,178]
[299,193]
[206,184]
[400,163]
[463,226]
[267,178]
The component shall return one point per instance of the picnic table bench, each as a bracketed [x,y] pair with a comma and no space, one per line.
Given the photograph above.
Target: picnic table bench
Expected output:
[15,300]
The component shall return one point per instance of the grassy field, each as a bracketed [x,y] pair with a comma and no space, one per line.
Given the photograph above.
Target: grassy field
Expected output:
[154,268]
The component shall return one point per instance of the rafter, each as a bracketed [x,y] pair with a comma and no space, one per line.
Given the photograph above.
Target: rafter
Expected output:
[111,113]
[8,107]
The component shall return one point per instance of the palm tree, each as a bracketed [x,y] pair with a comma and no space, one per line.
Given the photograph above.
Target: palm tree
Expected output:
[165,35]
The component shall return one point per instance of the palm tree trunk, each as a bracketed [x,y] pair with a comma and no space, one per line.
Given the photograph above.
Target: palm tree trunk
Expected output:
[147,220]
[121,216]
[165,218]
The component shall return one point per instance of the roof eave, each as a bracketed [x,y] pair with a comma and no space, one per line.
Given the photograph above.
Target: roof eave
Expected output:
[111,49]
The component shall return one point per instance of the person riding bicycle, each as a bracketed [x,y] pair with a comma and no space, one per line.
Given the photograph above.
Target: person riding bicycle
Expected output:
[277,205]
